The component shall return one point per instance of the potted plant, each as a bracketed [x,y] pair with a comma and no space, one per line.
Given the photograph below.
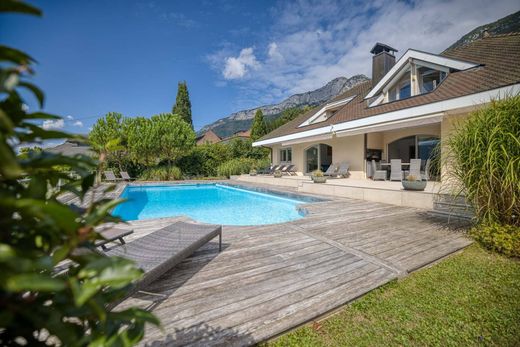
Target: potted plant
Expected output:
[278,173]
[252,172]
[414,183]
[318,177]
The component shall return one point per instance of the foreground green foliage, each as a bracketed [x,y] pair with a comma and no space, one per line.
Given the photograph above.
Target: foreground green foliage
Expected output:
[484,156]
[467,300]
[161,173]
[40,305]
[500,238]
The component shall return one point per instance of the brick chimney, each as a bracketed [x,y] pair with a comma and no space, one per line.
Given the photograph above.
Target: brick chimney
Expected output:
[382,61]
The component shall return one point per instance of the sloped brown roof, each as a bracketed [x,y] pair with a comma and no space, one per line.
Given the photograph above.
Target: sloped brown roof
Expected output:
[208,137]
[498,58]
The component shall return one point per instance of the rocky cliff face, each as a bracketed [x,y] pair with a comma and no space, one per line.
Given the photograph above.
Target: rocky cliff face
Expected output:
[241,120]
[508,24]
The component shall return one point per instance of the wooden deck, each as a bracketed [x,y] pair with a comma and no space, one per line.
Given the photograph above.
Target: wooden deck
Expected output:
[269,279]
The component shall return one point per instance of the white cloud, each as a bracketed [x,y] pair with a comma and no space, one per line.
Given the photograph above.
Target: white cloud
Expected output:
[78,123]
[53,124]
[70,117]
[311,42]
[236,68]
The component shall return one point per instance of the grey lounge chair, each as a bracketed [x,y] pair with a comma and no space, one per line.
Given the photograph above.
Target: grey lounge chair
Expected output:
[425,175]
[415,169]
[343,169]
[125,176]
[292,171]
[161,250]
[109,176]
[111,235]
[287,170]
[332,170]
[396,171]
[377,174]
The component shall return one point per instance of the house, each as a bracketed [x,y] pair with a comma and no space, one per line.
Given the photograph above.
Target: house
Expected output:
[242,135]
[404,111]
[72,147]
[207,138]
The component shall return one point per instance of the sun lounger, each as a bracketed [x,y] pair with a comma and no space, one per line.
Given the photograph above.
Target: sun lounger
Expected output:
[109,176]
[125,176]
[332,170]
[161,250]
[292,170]
[287,170]
[111,235]
[343,169]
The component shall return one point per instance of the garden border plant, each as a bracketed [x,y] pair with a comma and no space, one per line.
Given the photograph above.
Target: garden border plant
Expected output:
[482,162]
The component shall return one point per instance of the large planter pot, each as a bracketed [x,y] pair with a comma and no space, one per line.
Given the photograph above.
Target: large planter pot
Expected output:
[414,185]
[277,174]
[319,179]
[252,173]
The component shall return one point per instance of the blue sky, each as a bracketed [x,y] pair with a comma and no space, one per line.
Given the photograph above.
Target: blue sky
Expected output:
[127,56]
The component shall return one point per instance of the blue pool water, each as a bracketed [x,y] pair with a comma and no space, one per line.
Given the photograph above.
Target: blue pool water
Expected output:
[208,203]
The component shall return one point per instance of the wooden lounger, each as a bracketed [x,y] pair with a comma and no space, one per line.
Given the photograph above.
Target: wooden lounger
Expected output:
[111,235]
[161,250]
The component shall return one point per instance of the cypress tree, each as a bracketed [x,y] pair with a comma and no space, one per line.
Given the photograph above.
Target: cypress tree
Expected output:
[259,128]
[182,105]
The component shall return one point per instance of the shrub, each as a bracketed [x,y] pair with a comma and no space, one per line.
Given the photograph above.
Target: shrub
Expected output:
[240,166]
[39,305]
[161,173]
[483,156]
[204,160]
[500,238]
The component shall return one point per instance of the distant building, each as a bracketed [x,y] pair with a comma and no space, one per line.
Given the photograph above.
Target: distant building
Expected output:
[208,137]
[244,135]
[72,147]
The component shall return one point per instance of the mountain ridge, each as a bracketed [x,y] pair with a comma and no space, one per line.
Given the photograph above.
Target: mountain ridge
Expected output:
[242,120]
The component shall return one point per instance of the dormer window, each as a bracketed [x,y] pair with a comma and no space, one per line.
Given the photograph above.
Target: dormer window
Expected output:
[414,74]
[327,111]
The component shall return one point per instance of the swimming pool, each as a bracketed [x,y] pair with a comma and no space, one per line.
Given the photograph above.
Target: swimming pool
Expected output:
[208,203]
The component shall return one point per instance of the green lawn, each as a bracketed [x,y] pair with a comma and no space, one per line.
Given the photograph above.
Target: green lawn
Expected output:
[472,298]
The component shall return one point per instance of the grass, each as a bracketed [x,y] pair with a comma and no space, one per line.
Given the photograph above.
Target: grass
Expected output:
[472,298]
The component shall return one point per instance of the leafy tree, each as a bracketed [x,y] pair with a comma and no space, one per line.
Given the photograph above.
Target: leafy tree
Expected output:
[174,136]
[259,127]
[40,305]
[142,144]
[182,105]
[107,138]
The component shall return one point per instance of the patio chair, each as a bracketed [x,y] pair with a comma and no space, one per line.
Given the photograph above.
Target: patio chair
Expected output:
[125,176]
[281,168]
[111,235]
[425,175]
[292,170]
[377,174]
[415,168]
[332,170]
[396,171]
[163,249]
[109,176]
[343,169]
[264,170]
[287,170]
[273,169]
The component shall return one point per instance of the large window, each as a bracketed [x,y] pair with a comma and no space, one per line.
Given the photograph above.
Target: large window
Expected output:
[318,157]
[285,155]
[413,147]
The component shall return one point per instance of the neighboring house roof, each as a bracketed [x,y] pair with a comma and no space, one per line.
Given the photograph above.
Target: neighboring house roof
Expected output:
[245,134]
[208,137]
[72,147]
[498,66]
